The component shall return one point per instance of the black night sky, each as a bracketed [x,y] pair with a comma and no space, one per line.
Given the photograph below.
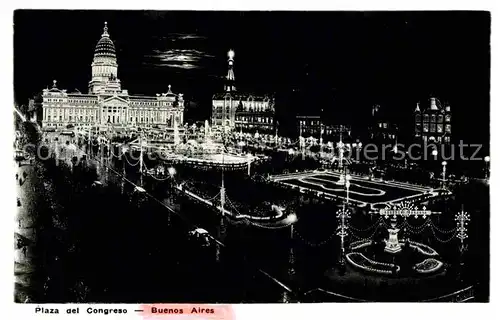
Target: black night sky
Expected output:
[341,62]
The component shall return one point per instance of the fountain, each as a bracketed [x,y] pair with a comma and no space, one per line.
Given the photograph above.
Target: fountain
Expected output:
[392,244]
[207,130]
[176,134]
[396,256]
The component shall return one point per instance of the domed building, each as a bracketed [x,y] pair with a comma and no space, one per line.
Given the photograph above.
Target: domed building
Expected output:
[106,103]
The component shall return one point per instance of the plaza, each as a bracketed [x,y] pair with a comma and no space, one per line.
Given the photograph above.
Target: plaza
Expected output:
[241,196]
[362,191]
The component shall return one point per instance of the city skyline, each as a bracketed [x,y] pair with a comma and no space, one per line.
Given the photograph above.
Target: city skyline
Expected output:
[342,75]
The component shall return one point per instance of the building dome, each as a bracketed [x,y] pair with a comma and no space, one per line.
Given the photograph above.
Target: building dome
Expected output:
[104,66]
[105,48]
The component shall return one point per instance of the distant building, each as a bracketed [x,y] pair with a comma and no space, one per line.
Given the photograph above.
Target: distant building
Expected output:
[381,129]
[244,112]
[433,122]
[315,126]
[106,104]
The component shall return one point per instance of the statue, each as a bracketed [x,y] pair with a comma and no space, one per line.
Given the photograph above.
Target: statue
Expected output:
[392,244]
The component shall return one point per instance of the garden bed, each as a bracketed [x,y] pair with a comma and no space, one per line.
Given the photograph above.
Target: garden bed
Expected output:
[360,261]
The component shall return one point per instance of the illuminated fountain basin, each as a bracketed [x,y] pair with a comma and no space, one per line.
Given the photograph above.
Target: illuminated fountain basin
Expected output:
[415,258]
[218,160]
[209,153]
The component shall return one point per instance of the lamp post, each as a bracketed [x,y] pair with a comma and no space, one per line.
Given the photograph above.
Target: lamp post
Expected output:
[343,214]
[462,219]
[487,167]
[340,146]
[347,185]
[434,154]
[444,163]
[320,140]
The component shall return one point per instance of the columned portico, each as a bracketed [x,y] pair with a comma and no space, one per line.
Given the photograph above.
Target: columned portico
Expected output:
[106,103]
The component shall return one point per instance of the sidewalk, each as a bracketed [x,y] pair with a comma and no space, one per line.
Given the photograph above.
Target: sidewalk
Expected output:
[24,234]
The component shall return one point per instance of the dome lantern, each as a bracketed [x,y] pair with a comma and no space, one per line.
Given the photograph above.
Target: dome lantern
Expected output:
[105,46]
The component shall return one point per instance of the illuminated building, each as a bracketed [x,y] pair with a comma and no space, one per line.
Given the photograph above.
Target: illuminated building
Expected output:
[315,126]
[241,111]
[433,122]
[381,129]
[106,103]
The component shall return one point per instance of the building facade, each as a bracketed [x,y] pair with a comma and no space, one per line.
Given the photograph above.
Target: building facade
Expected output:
[433,122]
[106,103]
[315,126]
[381,129]
[239,111]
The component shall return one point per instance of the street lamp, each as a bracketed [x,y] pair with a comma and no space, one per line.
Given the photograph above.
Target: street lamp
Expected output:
[347,185]
[344,215]
[444,163]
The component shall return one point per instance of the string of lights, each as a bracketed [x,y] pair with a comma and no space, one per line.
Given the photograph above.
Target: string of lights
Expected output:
[367,238]
[367,229]
[317,244]
[110,148]
[269,227]
[440,230]
[444,241]
[420,228]
[257,224]
[126,159]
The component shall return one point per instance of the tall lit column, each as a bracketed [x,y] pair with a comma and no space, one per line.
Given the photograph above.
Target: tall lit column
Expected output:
[320,139]
[444,163]
[141,161]
[347,185]
[343,214]
[462,219]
